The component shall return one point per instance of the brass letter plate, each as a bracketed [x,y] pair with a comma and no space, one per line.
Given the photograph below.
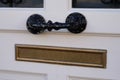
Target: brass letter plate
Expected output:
[62,55]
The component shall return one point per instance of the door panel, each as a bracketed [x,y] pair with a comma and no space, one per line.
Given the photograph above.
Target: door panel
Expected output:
[13,75]
[82,78]
[102,32]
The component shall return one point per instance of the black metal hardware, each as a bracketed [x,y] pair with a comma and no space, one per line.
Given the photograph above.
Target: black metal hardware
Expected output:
[96,4]
[4,1]
[106,1]
[11,2]
[18,1]
[75,23]
[114,2]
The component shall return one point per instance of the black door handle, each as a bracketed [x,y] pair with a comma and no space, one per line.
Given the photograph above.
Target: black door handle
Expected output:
[75,23]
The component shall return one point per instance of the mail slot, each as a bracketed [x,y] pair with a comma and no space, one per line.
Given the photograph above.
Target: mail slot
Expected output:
[62,55]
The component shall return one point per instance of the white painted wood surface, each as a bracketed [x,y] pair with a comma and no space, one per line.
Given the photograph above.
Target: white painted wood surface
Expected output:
[103,32]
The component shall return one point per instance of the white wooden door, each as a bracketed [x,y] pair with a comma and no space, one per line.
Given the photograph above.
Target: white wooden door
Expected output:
[102,32]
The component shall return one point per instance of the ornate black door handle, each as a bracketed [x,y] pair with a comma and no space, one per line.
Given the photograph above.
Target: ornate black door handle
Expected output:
[75,23]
